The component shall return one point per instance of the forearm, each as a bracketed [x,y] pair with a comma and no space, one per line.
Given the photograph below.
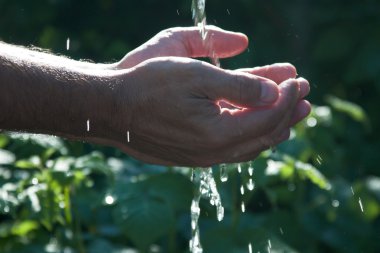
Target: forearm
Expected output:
[43,93]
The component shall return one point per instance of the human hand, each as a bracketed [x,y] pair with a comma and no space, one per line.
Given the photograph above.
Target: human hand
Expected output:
[187,42]
[169,107]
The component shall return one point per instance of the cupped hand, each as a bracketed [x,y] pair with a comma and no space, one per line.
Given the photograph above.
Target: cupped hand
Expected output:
[172,115]
[187,42]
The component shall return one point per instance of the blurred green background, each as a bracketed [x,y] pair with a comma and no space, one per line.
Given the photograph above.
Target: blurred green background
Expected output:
[320,192]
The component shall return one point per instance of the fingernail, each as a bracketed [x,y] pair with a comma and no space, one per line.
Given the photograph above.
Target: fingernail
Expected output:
[269,92]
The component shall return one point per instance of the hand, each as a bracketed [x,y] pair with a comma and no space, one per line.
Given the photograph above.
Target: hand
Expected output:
[172,115]
[187,42]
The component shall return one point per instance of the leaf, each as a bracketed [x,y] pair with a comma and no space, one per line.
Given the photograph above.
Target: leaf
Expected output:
[4,140]
[349,108]
[310,172]
[41,140]
[144,219]
[32,163]
[6,157]
[175,189]
[24,227]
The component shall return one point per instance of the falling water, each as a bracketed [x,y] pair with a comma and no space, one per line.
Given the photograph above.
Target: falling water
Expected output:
[205,187]
[223,173]
[68,44]
[202,178]
[199,17]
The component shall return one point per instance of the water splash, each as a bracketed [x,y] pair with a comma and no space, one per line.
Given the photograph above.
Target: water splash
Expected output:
[205,187]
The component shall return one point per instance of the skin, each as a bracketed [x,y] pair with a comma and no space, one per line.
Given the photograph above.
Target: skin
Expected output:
[157,104]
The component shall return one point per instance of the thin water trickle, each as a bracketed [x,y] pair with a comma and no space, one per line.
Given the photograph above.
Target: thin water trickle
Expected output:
[250,170]
[199,17]
[242,207]
[202,177]
[223,173]
[361,205]
[352,190]
[88,125]
[128,139]
[250,248]
[205,187]
[242,190]
[68,44]
[239,168]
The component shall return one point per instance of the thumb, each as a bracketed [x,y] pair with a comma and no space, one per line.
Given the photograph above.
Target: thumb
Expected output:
[218,42]
[242,89]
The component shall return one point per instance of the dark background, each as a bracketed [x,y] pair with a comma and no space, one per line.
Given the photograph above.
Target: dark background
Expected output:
[334,44]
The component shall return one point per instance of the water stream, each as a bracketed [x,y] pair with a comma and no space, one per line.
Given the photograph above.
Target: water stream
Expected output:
[203,179]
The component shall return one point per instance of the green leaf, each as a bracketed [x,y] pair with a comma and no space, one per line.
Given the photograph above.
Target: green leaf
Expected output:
[175,189]
[353,110]
[4,140]
[24,227]
[308,171]
[144,219]
[28,164]
[6,157]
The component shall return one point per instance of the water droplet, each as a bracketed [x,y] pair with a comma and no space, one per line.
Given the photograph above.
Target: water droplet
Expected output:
[109,200]
[250,184]
[250,248]
[311,122]
[88,125]
[228,11]
[319,160]
[6,209]
[239,168]
[61,204]
[242,207]
[335,203]
[220,213]
[281,231]
[68,44]
[242,190]
[34,181]
[223,173]
[128,136]
[250,171]
[352,190]
[361,205]
[205,186]
[177,12]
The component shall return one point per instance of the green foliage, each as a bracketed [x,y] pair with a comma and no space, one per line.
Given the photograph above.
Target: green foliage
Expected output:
[319,192]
